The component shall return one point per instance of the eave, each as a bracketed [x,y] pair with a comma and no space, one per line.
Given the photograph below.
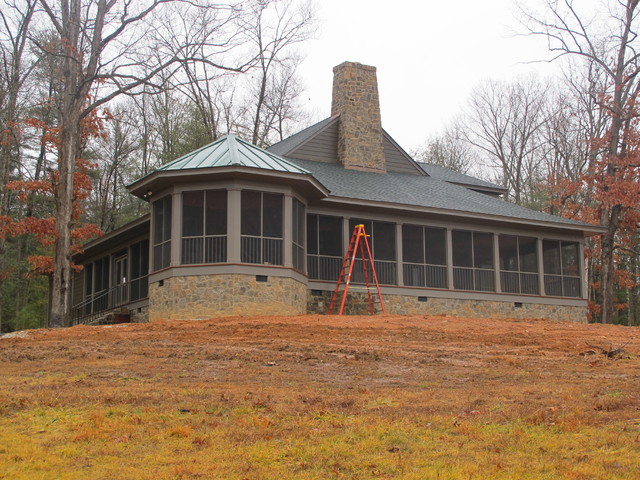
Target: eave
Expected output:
[586,229]
[134,229]
[160,180]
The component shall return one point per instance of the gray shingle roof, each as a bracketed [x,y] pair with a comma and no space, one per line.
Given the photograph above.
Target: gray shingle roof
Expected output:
[232,151]
[291,143]
[288,144]
[448,175]
[421,191]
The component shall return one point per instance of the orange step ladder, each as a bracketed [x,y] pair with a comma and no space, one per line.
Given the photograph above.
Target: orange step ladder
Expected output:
[358,243]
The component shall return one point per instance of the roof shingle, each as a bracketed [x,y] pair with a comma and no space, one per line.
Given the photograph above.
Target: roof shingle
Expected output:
[451,176]
[421,191]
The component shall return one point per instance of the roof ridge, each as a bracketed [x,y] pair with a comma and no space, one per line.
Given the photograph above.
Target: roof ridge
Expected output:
[190,154]
[238,153]
[277,158]
[233,148]
[459,176]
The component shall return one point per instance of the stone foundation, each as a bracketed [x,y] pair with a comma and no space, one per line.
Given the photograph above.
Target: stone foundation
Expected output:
[141,316]
[208,296]
[357,304]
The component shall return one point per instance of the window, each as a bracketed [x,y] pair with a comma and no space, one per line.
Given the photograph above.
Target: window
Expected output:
[139,254]
[424,256]
[297,221]
[261,228]
[518,264]
[561,262]
[473,261]
[204,227]
[324,247]
[382,241]
[120,289]
[162,233]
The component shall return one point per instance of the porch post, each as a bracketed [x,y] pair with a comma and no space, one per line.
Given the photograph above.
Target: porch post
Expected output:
[399,270]
[540,266]
[176,228]
[233,224]
[496,262]
[346,236]
[584,272]
[450,284]
[287,236]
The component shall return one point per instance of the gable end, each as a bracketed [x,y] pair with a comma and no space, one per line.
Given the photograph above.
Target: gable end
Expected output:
[398,161]
[321,147]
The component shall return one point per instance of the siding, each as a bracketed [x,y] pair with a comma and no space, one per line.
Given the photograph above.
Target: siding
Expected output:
[324,148]
[321,148]
[397,161]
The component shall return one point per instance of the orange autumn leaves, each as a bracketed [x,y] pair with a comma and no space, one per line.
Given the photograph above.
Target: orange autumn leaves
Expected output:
[607,193]
[43,228]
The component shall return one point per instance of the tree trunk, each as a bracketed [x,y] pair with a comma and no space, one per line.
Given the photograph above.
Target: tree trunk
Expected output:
[73,94]
[64,199]
[607,264]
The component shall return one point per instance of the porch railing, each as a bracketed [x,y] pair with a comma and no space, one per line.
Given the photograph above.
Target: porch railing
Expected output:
[324,267]
[263,250]
[211,249]
[519,282]
[479,279]
[94,308]
[421,275]
[562,286]
[385,271]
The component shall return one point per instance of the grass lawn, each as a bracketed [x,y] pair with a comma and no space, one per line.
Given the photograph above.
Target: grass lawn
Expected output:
[321,397]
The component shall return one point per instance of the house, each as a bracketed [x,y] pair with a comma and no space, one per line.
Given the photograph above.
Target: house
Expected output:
[238,230]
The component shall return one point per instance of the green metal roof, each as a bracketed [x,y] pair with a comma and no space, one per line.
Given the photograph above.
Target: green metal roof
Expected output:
[232,151]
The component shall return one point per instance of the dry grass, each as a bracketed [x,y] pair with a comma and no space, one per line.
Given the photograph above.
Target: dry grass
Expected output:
[321,397]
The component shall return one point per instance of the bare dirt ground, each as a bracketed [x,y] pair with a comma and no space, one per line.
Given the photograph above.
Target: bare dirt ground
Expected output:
[441,371]
[339,352]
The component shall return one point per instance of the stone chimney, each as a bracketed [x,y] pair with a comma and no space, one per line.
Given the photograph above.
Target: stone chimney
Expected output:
[355,98]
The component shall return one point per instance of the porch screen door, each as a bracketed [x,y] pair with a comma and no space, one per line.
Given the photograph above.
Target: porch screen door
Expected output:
[121,292]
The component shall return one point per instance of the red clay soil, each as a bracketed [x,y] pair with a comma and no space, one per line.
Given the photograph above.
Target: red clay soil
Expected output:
[525,367]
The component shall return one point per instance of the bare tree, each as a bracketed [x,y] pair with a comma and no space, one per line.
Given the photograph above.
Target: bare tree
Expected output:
[105,53]
[449,150]
[282,113]
[275,28]
[573,121]
[15,20]
[609,40]
[115,158]
[505,122]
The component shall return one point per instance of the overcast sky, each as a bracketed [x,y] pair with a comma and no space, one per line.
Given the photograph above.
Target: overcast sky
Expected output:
[429,55]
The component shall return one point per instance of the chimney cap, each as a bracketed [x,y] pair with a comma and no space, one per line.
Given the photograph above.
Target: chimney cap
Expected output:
[359,65]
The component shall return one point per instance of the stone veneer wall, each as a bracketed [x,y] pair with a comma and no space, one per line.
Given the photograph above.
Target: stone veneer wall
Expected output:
[356,304]
[141,316]
[207,296]
[355,98]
